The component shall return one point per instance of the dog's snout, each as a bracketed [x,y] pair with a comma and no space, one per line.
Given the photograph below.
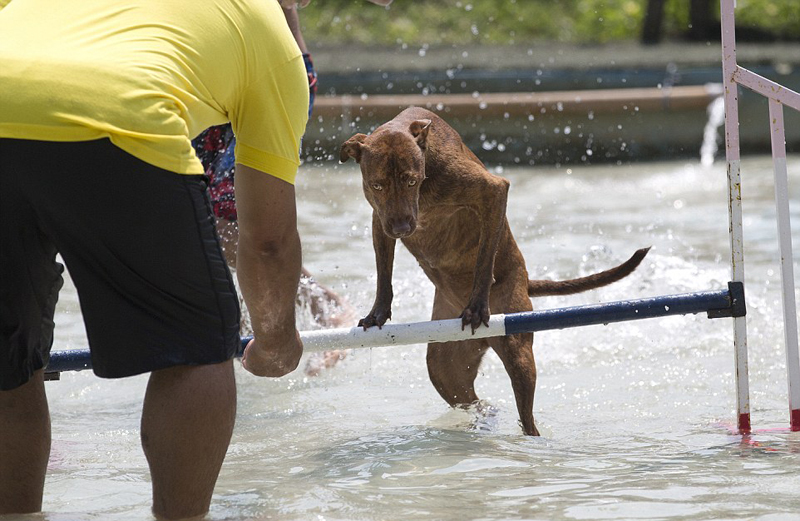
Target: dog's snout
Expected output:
[402,226]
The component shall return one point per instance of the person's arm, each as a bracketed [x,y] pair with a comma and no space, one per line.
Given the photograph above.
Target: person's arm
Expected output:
[268,269]
[303,3]
[293,3]
[293,20]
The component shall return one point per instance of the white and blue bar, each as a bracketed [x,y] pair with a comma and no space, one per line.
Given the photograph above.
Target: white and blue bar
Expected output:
[717,303]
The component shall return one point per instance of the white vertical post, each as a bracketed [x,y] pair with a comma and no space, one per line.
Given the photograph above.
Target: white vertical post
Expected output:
[735,206]
[778,139]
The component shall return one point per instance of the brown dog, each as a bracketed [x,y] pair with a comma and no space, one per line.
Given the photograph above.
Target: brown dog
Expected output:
[429,190]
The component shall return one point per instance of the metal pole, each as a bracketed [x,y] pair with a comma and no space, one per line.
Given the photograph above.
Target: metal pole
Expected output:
[731,89]
[787,271]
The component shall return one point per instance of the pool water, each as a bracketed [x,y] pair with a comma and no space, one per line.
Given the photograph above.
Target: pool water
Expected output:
[635,416]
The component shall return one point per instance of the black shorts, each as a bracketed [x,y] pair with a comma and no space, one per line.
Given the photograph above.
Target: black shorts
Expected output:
[140,245]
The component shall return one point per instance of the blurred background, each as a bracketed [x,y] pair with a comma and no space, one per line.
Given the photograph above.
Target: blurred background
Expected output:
[549,82]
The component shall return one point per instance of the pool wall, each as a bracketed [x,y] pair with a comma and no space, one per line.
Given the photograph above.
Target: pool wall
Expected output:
[545,104]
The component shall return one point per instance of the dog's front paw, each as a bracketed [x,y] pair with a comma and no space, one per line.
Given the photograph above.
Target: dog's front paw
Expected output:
[375,318]
[475,314]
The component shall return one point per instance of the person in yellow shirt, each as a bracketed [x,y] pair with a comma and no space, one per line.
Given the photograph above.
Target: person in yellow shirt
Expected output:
[215,147]
[98,102]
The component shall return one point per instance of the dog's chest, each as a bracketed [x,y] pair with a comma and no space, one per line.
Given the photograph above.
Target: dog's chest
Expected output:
[444,238]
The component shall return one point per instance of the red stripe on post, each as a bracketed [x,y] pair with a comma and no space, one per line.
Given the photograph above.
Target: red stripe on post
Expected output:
[794,420]
[744,423]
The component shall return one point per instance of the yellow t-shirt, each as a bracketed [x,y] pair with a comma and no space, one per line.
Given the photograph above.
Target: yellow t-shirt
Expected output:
[152,74]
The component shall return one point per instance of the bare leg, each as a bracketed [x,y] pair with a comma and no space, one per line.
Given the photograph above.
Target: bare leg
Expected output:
[228,232]
[187,422]
[24,446]
[327,307]
[329,310]
[318,362]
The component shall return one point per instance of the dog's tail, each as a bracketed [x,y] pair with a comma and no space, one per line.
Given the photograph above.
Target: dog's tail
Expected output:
[542,288]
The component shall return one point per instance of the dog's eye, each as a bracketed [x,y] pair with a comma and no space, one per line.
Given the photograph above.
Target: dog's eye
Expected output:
[412,182]
[377,187]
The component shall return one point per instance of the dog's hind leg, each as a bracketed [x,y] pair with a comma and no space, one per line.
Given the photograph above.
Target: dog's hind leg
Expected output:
[516,353]
[453,366]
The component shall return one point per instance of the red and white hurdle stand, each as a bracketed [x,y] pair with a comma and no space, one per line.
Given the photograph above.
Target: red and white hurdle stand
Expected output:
[778,96]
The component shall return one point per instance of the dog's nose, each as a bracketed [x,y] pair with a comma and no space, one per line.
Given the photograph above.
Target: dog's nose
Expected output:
[402,227]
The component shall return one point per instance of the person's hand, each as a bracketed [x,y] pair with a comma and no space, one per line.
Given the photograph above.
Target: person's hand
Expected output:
[274,358]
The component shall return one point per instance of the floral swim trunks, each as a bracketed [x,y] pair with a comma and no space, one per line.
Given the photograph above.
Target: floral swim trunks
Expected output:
[214,147]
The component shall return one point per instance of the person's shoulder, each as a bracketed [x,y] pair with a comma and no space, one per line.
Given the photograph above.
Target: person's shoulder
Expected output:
[269,36]
[257,11]
[255,20]
[270,14]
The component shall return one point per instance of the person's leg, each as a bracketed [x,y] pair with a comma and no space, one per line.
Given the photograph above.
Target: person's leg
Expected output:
[228,232]
[30,279]
[156,297]
[187,421]
[24,446]
[184,334]
[326,306]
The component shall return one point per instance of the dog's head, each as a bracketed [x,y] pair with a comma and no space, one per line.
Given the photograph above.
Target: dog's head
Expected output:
[393,168]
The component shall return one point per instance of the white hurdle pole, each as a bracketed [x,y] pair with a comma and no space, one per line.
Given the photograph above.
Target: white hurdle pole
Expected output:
[399,334]
[778,96]
[787,271]
[731,95]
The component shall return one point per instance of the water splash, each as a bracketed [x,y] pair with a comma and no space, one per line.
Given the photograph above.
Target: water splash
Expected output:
[716,117]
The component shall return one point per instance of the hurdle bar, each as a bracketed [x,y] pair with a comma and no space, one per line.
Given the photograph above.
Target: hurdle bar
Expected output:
[778,95]
[717,303]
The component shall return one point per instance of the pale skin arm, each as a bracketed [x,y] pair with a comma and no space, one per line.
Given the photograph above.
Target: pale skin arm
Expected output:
[268,269]
[303,3]
[294,25]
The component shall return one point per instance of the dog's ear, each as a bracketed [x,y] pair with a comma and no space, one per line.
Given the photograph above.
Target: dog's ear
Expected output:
[352,148]
[419,129]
